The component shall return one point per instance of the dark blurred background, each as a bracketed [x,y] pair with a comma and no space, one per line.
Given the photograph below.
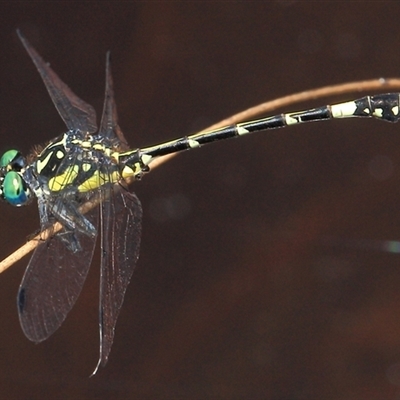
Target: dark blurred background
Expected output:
[265,271]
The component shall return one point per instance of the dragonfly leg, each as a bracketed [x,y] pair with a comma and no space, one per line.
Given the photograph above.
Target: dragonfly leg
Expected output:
[70,240]
[67,213]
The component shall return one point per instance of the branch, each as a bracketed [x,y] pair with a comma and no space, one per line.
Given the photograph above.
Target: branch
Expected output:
[250,113]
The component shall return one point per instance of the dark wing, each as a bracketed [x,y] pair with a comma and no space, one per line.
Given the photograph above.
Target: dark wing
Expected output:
[109,127]
[121,216]
[53,281]
[75,112]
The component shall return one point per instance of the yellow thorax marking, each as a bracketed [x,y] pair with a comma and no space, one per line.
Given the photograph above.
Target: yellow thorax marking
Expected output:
[98,179]
[42,163]
[59,182]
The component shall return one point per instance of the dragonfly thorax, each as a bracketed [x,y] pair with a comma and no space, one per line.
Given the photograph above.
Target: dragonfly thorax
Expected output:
[76,161]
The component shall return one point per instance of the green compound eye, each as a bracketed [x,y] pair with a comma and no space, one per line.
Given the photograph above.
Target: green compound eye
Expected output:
[8,157]
[15,191]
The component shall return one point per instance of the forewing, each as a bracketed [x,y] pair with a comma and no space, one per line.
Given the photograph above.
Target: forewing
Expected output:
[121,230]
[75,112]
[52,282]
[109,127]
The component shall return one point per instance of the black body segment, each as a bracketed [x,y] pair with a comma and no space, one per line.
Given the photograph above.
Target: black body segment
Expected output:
[382,106]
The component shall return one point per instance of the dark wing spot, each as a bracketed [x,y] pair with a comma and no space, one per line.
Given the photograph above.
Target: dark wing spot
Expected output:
[21,300]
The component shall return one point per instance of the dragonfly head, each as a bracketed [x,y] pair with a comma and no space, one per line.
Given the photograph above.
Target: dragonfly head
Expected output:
[13,188]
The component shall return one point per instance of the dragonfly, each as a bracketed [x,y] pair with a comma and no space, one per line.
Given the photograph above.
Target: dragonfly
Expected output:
[96,166]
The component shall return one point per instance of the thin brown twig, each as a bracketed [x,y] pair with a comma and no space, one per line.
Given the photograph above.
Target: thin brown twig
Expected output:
[250,113]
